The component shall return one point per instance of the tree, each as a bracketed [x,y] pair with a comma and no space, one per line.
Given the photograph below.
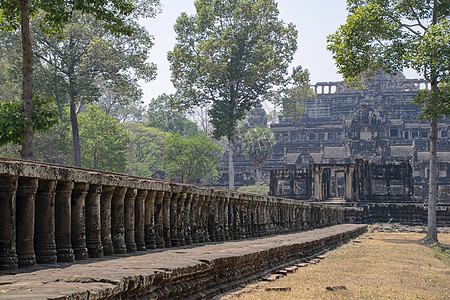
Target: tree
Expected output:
[91,64]
[10,64]
[132,110]
[13,121]
[389,36]
[146,149]
[103,141]
[261,189]
[115,15]
[192,159]
[257,144]
[289,97]
[161,115]
[230,55]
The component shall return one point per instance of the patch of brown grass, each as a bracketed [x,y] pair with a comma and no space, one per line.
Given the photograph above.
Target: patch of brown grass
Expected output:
[377,265]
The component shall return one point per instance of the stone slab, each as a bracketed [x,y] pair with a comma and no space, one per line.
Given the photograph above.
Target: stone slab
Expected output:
[172,272]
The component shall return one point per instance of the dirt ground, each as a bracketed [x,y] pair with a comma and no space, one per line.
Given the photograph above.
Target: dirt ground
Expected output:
[377,265]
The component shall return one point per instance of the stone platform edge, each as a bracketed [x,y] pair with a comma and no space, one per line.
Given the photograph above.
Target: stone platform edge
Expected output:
[222,274]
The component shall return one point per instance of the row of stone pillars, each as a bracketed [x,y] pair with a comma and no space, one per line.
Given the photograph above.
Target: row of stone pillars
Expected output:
[48,220]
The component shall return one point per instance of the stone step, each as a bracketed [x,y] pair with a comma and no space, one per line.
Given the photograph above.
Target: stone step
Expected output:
[186,272]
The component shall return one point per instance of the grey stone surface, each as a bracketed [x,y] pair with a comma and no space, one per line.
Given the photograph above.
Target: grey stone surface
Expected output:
[192,272]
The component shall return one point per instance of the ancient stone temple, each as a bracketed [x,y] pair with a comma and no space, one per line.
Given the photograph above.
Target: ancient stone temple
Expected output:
[378,124]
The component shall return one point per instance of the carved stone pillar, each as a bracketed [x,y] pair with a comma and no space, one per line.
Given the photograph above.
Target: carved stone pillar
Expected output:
[211,218]
[317,186]
[236,219]
[8,254]
[25,199]
[181,218]
[93,222]
[79,193]
[139,220]
[118,220]
[243,216]
[250,217]
[63,227]
[105,214]
[258,217]
[174,241]
[44,237]
[194,218]
[166,218]
[272,211]
[227,218]
[129,201]
[150,241]
[200,221]
[348,184]
[187,219]
[263,217]
[219,218]
[159,230]
[205,215]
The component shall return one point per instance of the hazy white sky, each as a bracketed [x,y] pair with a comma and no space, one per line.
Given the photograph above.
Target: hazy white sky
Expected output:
[314,19]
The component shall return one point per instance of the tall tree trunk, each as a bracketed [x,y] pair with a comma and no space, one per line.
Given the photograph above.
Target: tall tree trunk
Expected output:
[258,175]
[27,83]
[433,189]
[231,163]
[75,132]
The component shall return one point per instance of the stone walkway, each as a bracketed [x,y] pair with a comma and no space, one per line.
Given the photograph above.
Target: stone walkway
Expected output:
[109,276]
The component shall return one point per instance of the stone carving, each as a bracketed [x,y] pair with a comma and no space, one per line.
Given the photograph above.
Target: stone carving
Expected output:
[341,125]
[53,213]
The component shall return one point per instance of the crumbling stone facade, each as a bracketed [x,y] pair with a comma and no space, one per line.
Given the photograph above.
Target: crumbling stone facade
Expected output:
[52,214]
[379,124]
[374,192]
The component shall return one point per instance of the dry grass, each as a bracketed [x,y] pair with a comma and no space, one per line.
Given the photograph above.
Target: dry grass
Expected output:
[375,266]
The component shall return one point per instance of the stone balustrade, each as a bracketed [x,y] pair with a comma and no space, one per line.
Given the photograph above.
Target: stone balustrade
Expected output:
[51,213]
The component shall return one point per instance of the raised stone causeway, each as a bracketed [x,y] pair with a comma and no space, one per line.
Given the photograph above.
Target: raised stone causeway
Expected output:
[55,214]
[186,272]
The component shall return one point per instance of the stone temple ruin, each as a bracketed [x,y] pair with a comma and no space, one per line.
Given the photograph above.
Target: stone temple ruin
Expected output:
[354,146]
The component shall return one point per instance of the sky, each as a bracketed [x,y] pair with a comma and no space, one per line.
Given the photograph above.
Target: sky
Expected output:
[314,19]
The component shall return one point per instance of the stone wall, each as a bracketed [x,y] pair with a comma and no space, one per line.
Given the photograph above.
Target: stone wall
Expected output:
[53,213]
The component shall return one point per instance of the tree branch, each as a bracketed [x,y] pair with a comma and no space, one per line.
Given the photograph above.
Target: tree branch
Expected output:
[416,16]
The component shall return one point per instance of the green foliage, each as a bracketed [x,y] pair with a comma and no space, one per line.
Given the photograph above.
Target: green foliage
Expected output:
[161,115]
[145,150]
[289,97]
[10,66]
[13,121]
[103,142]
[392,35]
[192,159]
[389,36]
[54,145]
[440,96]
[115,15]
[230,54]
[261,189]
[90,64]
[257,144]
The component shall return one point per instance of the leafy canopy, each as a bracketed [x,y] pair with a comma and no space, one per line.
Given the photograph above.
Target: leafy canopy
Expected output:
[13,121]
[114,14]
[192,159]
[257,144]
[161,115]
[388,36]
[145,149]
[230,54]
[290,96]
[103,141]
